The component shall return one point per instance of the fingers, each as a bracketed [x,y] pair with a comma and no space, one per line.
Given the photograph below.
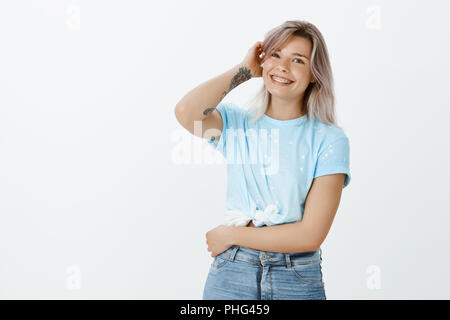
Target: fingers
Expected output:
[260,48]
[258,45]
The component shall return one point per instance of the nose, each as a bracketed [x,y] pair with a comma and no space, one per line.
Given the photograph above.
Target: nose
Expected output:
[282,66]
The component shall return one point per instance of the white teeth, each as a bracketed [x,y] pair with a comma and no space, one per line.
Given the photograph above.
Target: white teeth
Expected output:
[280,80]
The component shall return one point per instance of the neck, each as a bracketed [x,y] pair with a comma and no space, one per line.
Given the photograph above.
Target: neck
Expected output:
[284,110]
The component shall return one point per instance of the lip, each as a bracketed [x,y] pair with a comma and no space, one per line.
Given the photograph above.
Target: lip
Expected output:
[279,83]
[275,75]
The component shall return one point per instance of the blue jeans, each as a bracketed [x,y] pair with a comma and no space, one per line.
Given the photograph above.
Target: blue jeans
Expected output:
[241,273]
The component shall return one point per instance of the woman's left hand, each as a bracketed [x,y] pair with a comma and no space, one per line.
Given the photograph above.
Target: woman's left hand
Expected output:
[219,239]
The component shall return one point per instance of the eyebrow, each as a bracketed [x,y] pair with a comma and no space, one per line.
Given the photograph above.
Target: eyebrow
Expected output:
[294,54]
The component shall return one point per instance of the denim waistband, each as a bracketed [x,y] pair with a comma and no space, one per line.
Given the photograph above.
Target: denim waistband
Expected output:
[273,258]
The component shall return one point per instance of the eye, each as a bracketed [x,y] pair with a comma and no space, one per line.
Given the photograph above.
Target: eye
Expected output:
[301,61]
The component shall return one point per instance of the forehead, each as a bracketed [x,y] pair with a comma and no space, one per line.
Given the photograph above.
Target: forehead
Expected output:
[296,44]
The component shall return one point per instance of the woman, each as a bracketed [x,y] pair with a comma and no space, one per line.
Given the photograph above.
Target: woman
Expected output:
[287,163]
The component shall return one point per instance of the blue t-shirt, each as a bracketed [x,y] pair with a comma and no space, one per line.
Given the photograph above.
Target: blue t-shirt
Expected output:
[271,163]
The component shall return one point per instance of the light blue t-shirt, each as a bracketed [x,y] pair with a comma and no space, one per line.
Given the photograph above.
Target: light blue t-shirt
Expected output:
[271,163]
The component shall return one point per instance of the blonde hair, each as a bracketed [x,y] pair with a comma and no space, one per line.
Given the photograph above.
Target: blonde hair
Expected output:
[319,97]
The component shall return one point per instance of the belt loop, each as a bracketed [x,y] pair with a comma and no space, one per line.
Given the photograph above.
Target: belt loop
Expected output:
[233,253]
[288,260]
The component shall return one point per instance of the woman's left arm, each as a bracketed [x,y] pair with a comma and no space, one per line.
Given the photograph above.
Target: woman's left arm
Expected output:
[305,235]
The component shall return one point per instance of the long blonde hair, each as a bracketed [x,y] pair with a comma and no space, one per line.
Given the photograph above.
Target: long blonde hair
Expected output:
[319,96]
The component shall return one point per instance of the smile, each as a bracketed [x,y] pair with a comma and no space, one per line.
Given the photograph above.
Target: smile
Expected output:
[280,81]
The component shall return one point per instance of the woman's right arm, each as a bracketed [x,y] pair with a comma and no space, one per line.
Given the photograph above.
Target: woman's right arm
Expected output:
[199,104]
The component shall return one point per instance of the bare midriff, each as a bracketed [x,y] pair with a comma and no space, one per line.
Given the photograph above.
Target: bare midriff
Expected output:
[250,224]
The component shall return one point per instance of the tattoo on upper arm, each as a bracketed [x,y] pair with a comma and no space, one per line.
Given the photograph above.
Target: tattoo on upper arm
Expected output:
[208,111]
[223,95]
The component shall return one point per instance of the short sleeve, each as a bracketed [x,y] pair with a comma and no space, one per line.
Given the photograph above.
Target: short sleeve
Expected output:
[333,158]
[230,114]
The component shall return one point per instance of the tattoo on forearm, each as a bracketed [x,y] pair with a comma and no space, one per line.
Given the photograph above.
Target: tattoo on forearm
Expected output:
[243,75]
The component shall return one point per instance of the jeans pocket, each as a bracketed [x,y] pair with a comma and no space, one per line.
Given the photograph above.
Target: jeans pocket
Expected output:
[308,272]
[218,263]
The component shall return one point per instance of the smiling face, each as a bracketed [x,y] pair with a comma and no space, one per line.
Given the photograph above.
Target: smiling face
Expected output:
[285,63]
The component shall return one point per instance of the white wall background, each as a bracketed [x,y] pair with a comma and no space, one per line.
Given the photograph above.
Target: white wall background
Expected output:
[96,200]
